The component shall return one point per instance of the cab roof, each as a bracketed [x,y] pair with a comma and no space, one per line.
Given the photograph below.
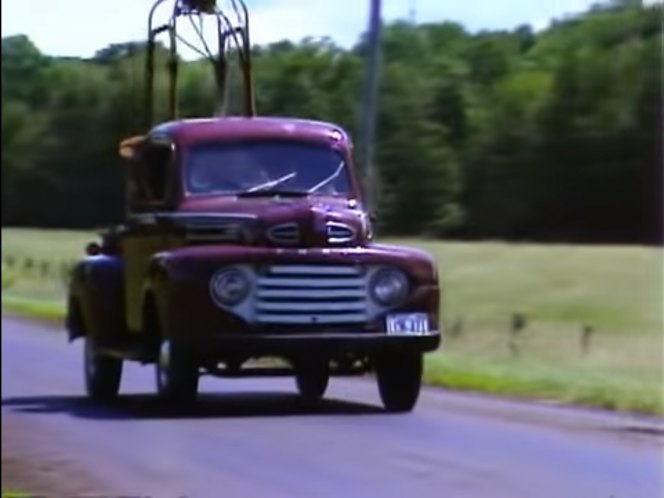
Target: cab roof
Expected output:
[189,131]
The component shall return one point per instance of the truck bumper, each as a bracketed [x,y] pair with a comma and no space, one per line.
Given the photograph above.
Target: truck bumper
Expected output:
[219,346]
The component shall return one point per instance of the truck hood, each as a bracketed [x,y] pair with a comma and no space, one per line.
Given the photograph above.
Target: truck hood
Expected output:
[198,262]
[314,221]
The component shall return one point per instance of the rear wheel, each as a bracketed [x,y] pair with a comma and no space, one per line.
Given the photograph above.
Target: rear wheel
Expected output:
[312,378]
[102,373]
[399,380]
[176,373]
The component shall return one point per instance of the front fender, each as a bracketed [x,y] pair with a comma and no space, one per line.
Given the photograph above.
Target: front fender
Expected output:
[96,298]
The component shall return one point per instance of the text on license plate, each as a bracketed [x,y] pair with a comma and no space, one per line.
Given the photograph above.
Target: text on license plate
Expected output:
[407,324]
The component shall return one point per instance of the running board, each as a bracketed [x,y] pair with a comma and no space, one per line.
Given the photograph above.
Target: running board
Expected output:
[131,350]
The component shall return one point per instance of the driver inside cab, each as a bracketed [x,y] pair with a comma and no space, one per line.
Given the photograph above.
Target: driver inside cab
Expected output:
[236,173]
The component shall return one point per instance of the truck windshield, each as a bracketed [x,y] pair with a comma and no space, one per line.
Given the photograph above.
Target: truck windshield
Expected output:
[255,167]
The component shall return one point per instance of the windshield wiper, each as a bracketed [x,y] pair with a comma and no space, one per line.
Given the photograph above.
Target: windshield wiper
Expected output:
[333,176]
[271,192]
[273,183]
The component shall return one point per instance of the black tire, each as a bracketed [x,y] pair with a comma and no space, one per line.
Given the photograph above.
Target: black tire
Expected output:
[102,373]
[399,380]
[176,374]
[312,379]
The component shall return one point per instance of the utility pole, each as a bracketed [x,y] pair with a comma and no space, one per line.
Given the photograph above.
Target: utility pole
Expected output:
[367,130]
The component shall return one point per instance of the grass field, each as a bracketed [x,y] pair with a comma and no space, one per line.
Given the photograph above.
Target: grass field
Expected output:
[615,292]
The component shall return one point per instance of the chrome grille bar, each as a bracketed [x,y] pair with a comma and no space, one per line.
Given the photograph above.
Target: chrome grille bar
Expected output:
[311,294]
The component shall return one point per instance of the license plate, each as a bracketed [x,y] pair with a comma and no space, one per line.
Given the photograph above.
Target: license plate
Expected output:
[407,324]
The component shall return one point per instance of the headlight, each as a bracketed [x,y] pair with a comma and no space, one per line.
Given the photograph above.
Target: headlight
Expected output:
[230,286]
[389,287]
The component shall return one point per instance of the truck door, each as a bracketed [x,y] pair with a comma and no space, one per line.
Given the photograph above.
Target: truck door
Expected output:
[150,188]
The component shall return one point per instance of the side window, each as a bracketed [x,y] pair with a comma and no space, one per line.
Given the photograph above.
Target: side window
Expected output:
[156,162]
[149,175]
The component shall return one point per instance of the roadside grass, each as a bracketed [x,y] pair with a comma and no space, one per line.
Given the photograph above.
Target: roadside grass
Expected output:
[52,311]
[51,245]
[587,383]
[614,293]
[10,493]
[615,289]
[591,316]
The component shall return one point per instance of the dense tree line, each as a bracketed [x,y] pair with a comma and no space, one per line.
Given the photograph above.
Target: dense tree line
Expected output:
[522,135]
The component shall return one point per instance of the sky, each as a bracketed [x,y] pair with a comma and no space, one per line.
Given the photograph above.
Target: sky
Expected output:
[74,28]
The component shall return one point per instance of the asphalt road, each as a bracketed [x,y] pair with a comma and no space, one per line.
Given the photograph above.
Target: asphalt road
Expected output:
[249,438]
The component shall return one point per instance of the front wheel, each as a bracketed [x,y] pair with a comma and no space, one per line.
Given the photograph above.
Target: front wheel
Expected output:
[399,380]
[176,374]
[102,373]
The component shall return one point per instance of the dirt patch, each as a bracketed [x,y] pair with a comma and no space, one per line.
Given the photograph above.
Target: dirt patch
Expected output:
[36,469]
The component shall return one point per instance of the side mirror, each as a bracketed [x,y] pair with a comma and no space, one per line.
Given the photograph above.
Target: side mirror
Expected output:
[128,148]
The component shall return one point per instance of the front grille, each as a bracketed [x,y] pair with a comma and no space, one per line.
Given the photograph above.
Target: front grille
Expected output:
[311,294]
[339,233]
[286,233]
